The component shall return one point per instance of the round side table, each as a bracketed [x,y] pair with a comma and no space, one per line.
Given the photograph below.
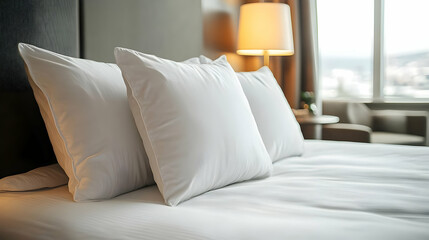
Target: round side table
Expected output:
[311,125]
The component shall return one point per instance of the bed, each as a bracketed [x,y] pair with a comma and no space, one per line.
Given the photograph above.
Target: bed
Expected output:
[336,190]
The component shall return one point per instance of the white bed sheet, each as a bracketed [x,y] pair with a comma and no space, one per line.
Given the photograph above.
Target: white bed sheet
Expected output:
[337,190]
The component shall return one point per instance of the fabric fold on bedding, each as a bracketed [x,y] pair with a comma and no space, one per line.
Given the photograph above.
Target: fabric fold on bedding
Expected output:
[336,190]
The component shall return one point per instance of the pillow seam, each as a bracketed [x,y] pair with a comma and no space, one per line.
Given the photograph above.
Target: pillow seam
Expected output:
[59,131]
[147,134]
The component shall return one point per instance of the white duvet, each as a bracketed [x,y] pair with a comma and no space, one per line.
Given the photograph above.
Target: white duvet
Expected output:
[335,191]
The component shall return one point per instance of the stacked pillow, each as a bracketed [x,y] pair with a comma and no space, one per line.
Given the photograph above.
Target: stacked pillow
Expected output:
[195,122]
[276,122]
[202,125]
[85,109]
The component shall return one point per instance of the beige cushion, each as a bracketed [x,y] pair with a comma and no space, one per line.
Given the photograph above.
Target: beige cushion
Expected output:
[336,108]
[359,113]
[390,121]
[396,138]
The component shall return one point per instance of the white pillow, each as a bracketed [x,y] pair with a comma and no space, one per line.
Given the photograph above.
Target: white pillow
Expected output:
[276,122]
[43,177]
[195,122]
[90,125]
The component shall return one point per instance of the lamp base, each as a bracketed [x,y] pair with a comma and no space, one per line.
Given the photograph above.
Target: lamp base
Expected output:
[266,58]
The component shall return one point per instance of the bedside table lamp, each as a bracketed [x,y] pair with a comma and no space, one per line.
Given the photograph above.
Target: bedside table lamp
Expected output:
[265,29]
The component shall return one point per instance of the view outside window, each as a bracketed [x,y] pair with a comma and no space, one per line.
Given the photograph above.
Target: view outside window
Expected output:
[345,33]
[406,27]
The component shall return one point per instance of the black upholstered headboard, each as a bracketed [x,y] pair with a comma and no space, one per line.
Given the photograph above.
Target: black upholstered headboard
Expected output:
[50,24]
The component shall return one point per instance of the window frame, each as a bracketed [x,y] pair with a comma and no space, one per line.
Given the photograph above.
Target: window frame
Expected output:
[378,52]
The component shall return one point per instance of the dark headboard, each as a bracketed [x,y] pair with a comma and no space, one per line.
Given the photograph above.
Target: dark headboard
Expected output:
[50,24]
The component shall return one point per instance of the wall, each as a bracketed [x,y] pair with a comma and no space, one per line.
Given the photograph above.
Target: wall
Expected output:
[220,30]
[174,29]
[167,28]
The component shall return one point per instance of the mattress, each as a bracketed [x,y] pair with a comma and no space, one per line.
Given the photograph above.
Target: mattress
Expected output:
[336,190]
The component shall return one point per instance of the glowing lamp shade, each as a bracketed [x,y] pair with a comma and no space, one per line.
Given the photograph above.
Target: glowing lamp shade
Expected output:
[265,29]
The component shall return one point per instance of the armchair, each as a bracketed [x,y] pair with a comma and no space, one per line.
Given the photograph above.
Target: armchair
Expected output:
[360,124]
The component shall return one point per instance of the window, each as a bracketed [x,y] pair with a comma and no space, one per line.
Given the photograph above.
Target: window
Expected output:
[374,49]
[406,47]
[345,33]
